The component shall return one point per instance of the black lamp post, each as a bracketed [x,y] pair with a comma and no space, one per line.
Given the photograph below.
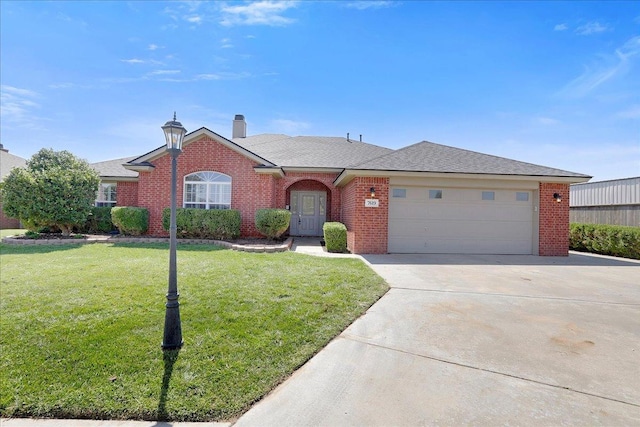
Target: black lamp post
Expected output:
[174,133]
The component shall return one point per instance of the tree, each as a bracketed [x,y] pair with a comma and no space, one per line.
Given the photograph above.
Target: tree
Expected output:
[54,189]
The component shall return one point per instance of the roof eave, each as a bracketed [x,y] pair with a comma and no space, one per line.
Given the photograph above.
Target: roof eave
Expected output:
[114,178]
[311,169]
[348,174]
[139,168]
[266,170]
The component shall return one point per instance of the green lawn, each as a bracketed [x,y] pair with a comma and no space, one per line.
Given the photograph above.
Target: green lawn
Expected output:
[81,327]
[11,232]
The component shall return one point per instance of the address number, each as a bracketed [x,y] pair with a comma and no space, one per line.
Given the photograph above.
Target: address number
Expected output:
[371,203]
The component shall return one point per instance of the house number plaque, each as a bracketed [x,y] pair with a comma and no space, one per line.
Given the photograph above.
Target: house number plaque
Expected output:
[371,203]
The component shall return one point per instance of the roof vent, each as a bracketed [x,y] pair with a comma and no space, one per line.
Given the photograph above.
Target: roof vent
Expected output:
[239,127]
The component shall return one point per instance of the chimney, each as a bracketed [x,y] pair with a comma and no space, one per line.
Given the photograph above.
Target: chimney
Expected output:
[239,127]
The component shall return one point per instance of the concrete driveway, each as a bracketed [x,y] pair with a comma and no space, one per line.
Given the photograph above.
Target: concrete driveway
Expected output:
[482,340]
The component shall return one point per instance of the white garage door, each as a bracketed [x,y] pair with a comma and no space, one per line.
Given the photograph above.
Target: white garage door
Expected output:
[455,220]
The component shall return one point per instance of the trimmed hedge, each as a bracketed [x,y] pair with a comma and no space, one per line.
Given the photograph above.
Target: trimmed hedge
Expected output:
[335,236]
[615,240]
[129,220]
[272,222]
[192,223]
[99,221]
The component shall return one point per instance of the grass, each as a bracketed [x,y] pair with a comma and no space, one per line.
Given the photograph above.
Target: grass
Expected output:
[81,327]
[11,232]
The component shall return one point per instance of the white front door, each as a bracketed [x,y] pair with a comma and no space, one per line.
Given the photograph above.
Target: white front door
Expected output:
[308,212]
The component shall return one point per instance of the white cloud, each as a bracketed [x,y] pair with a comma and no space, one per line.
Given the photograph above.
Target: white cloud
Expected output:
[289,127]
[263,12]
[632,112]
[373,4]
[546,121]
[164,72]
[194,19]
[153,47]
[560,27]
[591,28]
[222,76]
[133,61]
[226,43]
[605,69]
[17,106]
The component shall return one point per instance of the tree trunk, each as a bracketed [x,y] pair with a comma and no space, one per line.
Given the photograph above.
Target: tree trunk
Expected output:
[66,229]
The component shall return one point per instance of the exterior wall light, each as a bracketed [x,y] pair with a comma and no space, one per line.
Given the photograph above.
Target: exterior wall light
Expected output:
[174,133]
[557,197]
[373,192]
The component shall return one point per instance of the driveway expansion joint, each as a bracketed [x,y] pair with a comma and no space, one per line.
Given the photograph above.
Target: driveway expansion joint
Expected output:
[631,304]
[490,371]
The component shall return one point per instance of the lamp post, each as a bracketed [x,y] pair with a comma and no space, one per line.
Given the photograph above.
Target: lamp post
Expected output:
[174,134]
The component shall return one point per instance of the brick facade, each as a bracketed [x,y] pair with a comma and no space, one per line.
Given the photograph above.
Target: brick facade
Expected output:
[554,220]
[367,227]
[127,193]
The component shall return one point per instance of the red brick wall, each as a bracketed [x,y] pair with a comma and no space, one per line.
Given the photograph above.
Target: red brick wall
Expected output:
[367,227]
[249,190]
[127,193]
[554,220]
[6,222]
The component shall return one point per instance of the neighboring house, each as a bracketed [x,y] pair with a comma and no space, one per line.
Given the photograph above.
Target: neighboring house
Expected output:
[424,198]
[615,202]
[8,162]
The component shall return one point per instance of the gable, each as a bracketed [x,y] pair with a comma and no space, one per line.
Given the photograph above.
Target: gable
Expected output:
[145,162]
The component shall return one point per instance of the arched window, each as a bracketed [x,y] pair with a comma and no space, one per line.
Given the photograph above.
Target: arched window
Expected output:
[207,190]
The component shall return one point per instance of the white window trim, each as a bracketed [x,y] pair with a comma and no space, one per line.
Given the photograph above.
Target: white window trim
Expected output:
[101,201]
[208,204]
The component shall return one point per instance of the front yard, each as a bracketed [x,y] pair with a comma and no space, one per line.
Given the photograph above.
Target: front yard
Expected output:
[81,327]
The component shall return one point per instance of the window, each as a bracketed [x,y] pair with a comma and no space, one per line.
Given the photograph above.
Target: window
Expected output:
[522,196]
[488,195]
[106,196]
[400,193]
[207,190]
[435,194]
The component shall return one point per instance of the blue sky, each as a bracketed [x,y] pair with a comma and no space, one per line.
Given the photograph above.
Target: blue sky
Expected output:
[552,83]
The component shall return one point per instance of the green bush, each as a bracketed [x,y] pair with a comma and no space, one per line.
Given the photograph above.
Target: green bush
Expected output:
[192,223]
[129,220]
[99,221]
[335,236]
[272,222]
[615,240]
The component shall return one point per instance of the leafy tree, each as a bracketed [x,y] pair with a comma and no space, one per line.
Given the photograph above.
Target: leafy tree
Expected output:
[54,189]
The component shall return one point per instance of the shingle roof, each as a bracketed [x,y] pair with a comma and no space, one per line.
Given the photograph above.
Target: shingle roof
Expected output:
[311,151]
[9,161]
[114,168]
[430,157]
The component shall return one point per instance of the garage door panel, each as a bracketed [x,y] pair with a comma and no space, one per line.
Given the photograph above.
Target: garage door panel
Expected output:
[460,222]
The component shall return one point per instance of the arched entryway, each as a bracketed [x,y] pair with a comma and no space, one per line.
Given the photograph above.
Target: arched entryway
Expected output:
[309,202]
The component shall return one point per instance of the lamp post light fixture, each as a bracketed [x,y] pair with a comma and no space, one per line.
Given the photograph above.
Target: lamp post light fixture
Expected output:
[174,133]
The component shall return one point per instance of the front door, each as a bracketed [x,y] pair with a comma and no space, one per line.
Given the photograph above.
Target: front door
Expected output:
[308,212]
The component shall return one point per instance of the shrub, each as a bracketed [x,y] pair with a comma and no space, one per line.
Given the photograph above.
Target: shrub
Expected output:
[55,189]
[219,224]
[99,221]
[272,222]
[615,240]
[335,236]
[129,220]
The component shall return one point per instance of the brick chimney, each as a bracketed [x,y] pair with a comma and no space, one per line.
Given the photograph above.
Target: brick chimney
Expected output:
[239,127]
